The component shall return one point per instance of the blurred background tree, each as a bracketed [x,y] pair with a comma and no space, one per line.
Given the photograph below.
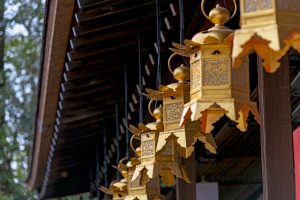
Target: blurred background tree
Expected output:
[21,24]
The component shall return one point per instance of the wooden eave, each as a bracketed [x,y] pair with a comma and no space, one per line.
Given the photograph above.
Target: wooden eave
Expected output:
[56,34]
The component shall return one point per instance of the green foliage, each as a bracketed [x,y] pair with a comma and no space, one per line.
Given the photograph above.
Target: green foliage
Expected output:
[19,72]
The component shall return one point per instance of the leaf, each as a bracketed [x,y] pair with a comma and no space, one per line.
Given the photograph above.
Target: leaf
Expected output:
[191,44]
[209,142]
[210,40]
[137,173]
[153,94]
[143,128]
[106,190]
[144,177]
[185,176]
[180,52]
[188,151]
[242,120]
[152,170]
[166,89]
[120,185]
[134,130]
[178,46]
[162,140]
[167,177]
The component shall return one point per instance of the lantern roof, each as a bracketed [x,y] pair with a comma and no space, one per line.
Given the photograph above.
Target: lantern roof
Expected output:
[217,34]
[133,162]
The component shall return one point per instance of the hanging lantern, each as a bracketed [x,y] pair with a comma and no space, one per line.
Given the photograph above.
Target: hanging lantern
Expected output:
[132,190]
[165,163]
[174,96]
[118,189]
[215,88]
[143,190]
[269,27]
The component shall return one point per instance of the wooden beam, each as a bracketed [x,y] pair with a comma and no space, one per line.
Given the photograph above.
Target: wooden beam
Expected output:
[185,190]
[84,17]
[276,133]
[59,19]
[104,39]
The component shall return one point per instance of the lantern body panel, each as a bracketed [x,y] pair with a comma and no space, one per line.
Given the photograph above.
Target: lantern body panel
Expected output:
[211,72]
[148,144]
[270,27]
[240,82]
[149,156]
[174,99]
[212,77]
[216,88]
[173,105]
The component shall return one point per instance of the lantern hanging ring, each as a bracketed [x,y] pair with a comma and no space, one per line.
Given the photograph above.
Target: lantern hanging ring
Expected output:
[113,182]
[149,107]
[131,143]
[169,62]
[121,161]
[207,17]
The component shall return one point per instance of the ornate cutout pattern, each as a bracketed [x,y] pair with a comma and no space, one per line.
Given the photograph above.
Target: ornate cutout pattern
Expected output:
[148,148]
[174,111]
[256,5]
[216,72]
[195,75]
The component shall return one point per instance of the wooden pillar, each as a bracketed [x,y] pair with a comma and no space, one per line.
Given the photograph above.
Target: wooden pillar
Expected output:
[186,191]
[276,133]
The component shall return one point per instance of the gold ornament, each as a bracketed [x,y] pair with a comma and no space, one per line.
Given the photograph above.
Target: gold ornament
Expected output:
[174,96]
[269,27]
[132,190]
[165,163]
[144,189]
[216,90]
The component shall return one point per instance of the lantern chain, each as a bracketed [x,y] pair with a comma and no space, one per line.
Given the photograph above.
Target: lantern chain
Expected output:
[140,77]
[117,137]
[104,151]
[181,21]
[158,29]
[126,110]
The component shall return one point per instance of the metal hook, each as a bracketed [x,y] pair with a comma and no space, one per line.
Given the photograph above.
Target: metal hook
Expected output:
[207,17]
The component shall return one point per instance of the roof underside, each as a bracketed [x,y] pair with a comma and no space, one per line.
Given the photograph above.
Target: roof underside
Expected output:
[103,39]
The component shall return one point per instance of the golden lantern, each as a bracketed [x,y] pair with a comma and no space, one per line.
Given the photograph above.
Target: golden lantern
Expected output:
[165,163]
[269,27]
[216,89]
[132,190]
[142,190]
[174,96]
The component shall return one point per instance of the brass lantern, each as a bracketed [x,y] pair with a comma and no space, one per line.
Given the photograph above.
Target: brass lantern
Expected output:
[216,89]
[165,163]
[174,96]
[147,191]
[132,190]
[269,27]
